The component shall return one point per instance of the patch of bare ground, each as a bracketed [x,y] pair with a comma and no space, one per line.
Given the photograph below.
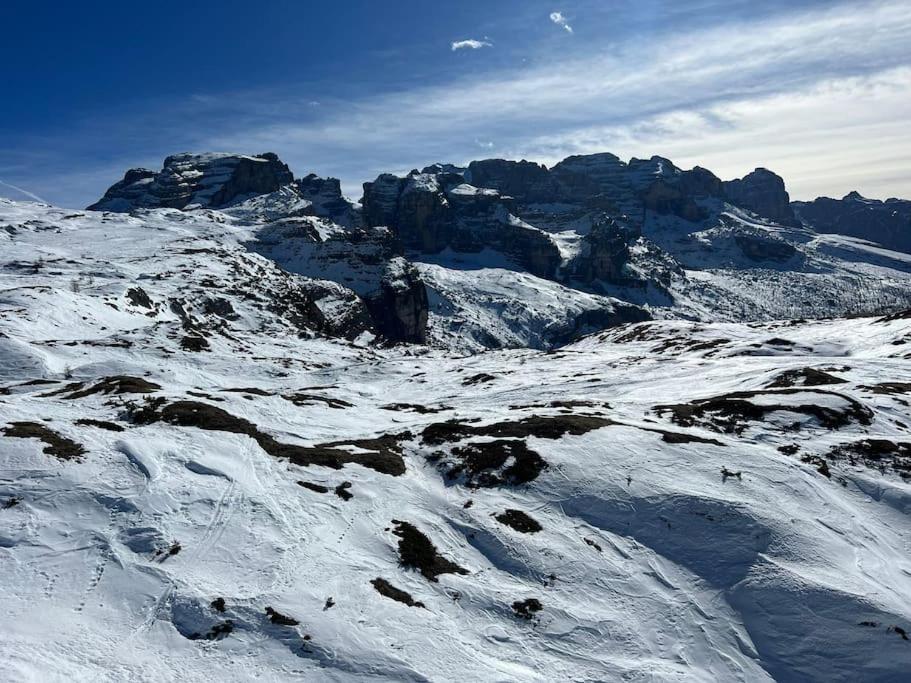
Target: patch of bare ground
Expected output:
[100,424]
[386,589]
[520,521]
[732,413]
[56,445]
[805,377]
[382,454]
[527,609]
[416,551]
[539,426]
[495,463]
[880,454]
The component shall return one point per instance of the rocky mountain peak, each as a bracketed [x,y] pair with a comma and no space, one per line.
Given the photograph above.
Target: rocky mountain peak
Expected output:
[762,192]
[208,180]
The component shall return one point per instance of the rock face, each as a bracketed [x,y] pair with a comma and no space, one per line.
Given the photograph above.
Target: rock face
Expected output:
[399,307]
[205,180]
[606,252]
[524,180]
[430,212]
[763,193]
[761,247]
[885,222]
[365,261]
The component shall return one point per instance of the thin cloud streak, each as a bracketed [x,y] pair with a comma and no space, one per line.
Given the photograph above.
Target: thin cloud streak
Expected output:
[470,44]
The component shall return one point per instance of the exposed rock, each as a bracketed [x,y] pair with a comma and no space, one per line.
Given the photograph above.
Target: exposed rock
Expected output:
[432,212]
[885,222]
[763,247]
[605,251]
[399,308]
[207,180]
[763,193]
[526,181]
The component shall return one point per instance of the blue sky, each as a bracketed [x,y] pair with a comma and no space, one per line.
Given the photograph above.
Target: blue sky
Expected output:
[818,91]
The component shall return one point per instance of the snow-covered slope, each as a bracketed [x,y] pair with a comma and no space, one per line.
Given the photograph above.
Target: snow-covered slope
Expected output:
[661,501]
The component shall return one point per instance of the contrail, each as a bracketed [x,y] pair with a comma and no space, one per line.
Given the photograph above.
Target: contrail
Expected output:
[25,192]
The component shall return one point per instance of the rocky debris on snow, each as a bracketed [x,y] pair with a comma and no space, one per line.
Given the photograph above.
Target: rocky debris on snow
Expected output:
[805,377]
[501,462]
[538,426]
[342,491]
[318,488]
[137,296]
[100,424]
[118,384]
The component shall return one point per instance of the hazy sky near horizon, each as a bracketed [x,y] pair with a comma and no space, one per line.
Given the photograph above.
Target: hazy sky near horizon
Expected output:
[819,92]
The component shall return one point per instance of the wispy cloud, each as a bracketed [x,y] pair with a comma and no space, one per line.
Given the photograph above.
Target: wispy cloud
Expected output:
[470,44]
[820,96]
[560,20]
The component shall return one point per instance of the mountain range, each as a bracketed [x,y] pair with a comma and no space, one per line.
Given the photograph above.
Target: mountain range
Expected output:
[606,420]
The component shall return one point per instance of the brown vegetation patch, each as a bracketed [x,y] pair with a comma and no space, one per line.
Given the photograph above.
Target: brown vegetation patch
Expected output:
[318,488]
[56,445]
[418,552]
[881,454]
[100,424]
[495,463]
[303,399]
[119,384]
[519,521]
[281,619]
[805,377]
[386,589]
[384,453]
[539,426]
[732,412]
[526,609]
[888,388]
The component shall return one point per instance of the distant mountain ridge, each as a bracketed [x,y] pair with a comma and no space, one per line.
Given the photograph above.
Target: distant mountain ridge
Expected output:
[513,253]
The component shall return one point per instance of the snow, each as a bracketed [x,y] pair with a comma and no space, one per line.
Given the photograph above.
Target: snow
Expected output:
[766,576]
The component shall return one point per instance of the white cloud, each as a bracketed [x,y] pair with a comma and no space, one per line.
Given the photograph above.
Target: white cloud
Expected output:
[799,97]
[820,96]
[560,20]
[470,44]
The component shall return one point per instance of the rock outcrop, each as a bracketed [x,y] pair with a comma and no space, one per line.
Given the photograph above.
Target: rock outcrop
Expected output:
[605,252]
[206,180]
[885,222]
[763,193]
[431,212]
[399,305]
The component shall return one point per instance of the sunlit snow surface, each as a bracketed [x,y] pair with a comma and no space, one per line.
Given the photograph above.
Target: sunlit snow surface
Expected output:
[699,576]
